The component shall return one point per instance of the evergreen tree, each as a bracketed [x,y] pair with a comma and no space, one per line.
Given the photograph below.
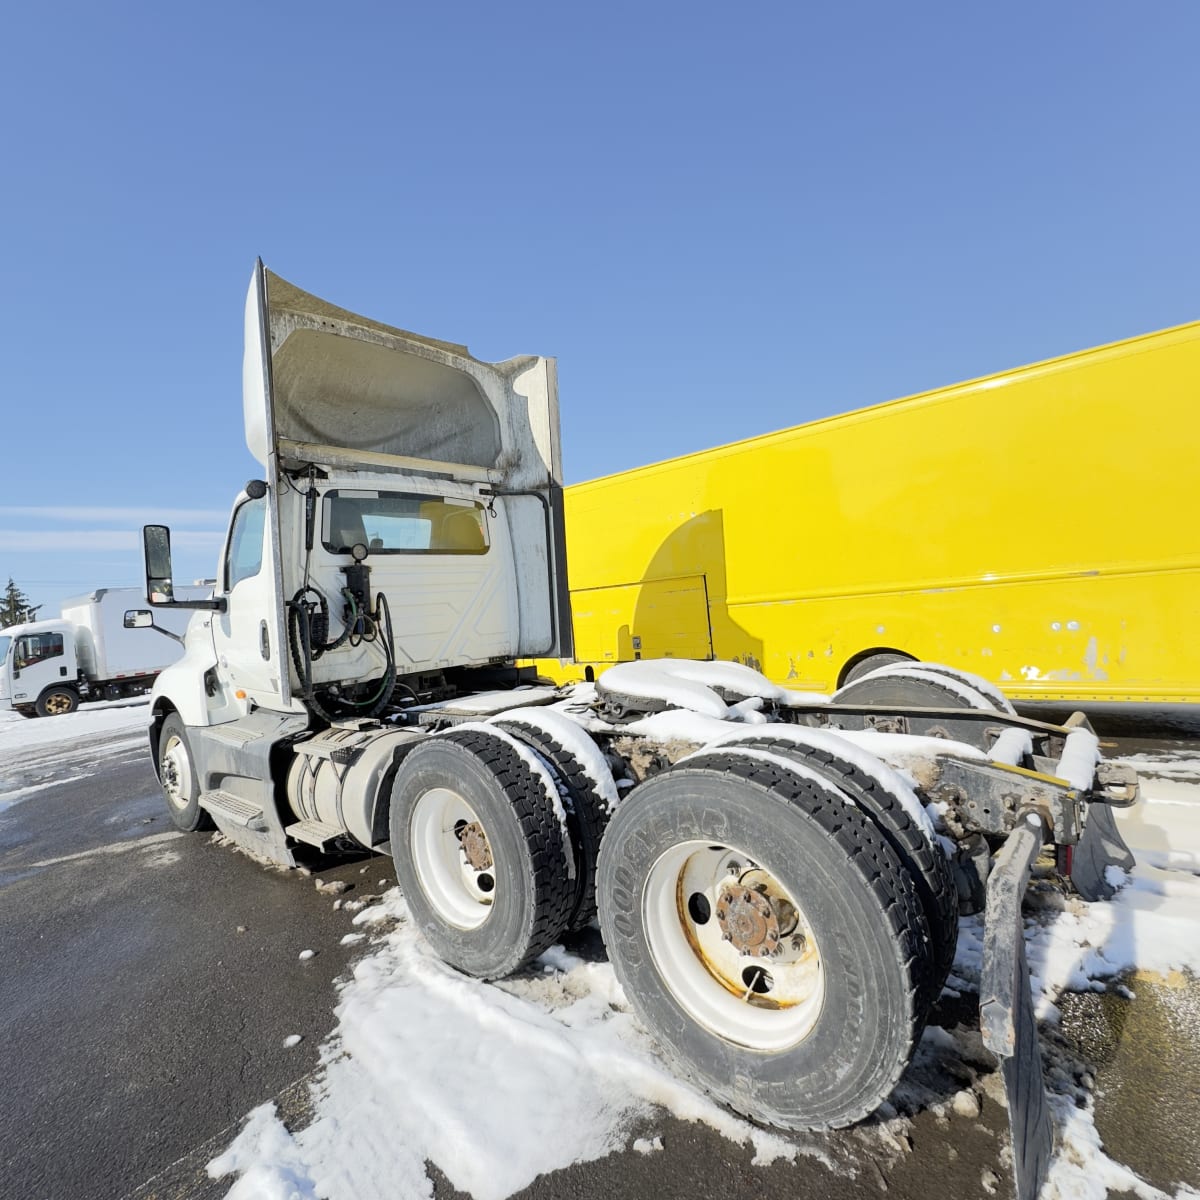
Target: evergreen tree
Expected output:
[15,608]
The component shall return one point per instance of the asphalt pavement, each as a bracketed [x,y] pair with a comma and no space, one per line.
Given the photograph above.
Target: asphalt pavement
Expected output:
[149,979]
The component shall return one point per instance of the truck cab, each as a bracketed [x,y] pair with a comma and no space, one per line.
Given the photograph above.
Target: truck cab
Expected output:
[404,544]
[38,668]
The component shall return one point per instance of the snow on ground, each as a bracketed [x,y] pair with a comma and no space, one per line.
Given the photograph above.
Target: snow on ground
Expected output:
[34,752]
[18,732]
[550,1068]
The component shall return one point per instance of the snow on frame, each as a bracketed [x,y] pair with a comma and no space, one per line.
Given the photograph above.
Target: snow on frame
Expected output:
[571,1077]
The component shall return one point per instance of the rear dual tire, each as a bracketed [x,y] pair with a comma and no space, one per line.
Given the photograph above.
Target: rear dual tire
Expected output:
[480,853]
[802,842]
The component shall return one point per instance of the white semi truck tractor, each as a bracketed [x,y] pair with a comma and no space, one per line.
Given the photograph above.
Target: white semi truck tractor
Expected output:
[779,902]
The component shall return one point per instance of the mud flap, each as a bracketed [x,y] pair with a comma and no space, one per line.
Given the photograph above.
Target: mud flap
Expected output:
[1100,847]
[1006,1014]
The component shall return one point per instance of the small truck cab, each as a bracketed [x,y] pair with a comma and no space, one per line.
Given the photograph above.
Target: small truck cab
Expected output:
[38,668]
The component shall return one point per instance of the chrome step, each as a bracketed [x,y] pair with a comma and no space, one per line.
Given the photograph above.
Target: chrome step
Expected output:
[315,833]
[228,807]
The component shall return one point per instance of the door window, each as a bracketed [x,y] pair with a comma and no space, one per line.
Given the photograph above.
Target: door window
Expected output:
[34,647]
[244,559]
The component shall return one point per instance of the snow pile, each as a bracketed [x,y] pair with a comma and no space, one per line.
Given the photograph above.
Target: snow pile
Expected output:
[544,1070]
[683,683]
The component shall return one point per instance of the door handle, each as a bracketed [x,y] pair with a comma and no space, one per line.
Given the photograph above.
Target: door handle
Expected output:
[264,641]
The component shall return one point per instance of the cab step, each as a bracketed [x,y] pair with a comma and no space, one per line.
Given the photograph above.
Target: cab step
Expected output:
[225,806]
[315,833]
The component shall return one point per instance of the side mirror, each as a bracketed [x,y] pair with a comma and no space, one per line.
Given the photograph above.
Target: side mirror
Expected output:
[139,618]
[156,547]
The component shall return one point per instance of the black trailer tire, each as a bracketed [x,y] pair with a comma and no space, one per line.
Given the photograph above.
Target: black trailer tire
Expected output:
[925,687]
[587,814]
[873,662]
[929,868]
[793,1070]
[489,920]
[57,702]
[177,775]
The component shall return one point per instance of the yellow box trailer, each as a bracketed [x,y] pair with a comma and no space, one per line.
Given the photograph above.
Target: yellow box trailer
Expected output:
[1039,527]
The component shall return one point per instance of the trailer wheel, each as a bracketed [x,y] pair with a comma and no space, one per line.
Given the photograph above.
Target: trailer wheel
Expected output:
[177,774]
[928,867]
[587,814]
[767,936]
[920,685]
[57,702]
[480,853]
[873,662]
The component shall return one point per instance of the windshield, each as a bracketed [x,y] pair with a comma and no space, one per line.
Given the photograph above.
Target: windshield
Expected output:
[5,642]
[402,523]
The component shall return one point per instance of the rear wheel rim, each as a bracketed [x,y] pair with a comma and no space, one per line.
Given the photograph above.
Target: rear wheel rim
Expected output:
[453,858]
[176,772]
[733,946]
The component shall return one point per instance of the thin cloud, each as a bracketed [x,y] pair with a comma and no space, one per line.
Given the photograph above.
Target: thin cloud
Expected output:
[135,516]
[101,539]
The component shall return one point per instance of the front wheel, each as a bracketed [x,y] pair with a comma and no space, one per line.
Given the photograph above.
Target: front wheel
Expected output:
[767,936]
[57,702]
[177,774]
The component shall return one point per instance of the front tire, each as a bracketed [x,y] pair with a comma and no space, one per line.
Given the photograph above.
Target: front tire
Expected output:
[789,870]
[480,853]
[177,774]
[57,702]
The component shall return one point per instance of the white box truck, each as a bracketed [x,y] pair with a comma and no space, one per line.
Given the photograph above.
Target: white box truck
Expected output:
[90,653]
[770,889]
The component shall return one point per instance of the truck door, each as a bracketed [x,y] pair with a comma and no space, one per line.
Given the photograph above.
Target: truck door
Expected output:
[39,661]
[244,635]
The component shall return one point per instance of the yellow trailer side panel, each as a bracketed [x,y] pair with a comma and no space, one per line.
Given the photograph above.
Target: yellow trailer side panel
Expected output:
[1038,527]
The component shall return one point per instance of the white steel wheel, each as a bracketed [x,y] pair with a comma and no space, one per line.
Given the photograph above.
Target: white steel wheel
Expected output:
[766,935]
[177,774]
[453,858]
[733,946]
[176,765]
[480,851]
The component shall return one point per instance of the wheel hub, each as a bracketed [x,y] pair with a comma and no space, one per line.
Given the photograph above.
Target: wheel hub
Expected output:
[752,919]
[475,846]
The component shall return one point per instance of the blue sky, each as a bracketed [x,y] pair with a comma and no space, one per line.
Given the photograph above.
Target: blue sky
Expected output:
[722,220]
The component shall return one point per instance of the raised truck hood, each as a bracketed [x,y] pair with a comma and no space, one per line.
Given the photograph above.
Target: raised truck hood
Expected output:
[324,385]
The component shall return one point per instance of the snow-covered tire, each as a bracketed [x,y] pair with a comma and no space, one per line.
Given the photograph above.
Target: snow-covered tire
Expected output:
[856,903]
[928,867]
[487,922]
[587,814]
[921,685]
[177,775]
[988,690]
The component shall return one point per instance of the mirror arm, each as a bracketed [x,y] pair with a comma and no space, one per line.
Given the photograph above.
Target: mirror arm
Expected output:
[215,605]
